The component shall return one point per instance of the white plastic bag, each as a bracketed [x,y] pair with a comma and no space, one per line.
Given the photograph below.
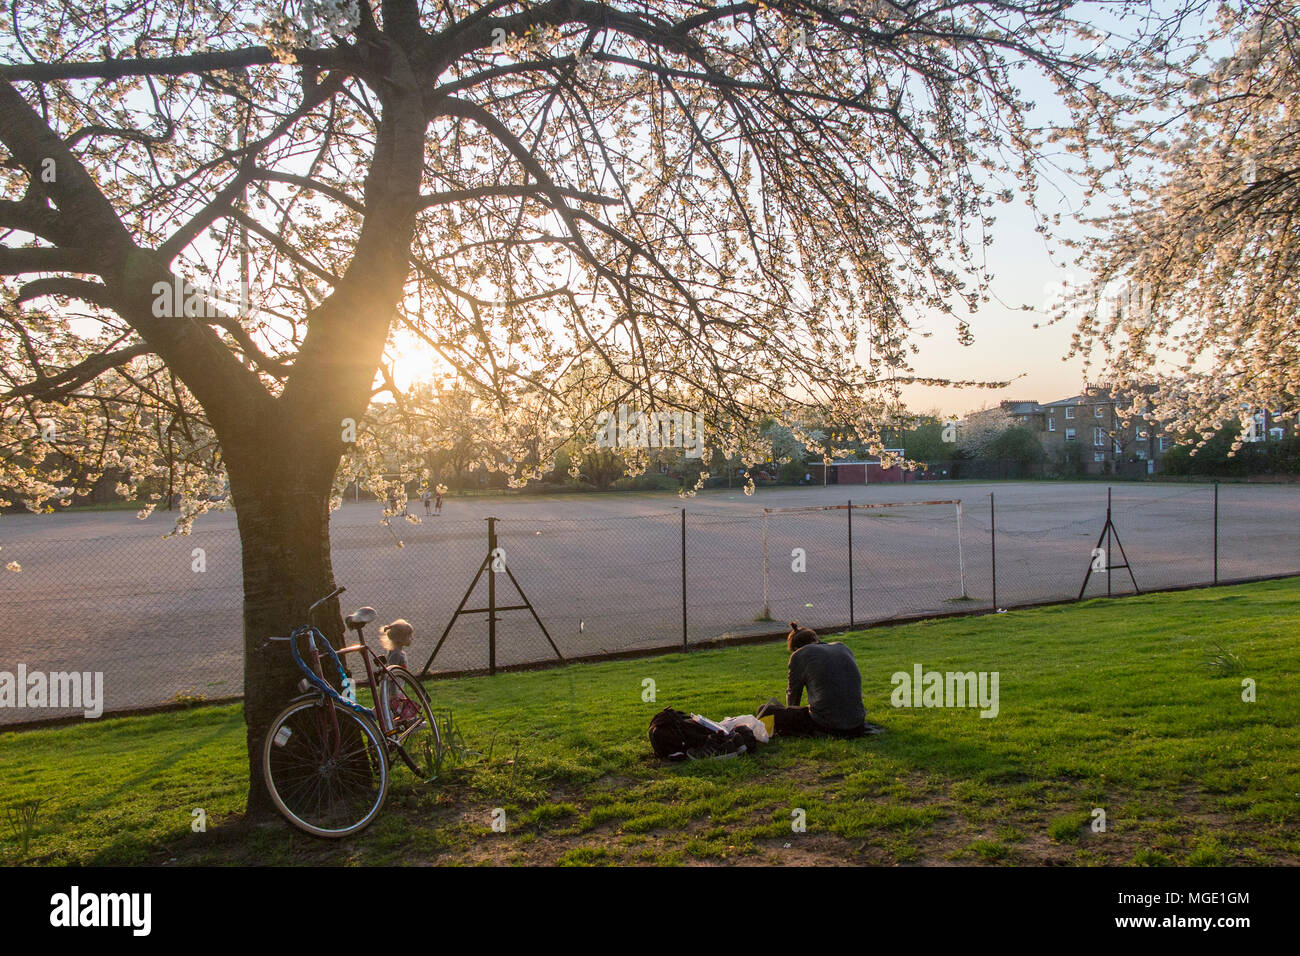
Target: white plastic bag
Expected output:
[747,720]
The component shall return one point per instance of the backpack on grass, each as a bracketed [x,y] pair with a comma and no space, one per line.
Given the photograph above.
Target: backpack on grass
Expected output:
[675,735]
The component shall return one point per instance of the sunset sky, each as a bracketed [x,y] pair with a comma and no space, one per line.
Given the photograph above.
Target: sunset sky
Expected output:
[1007,346]
[1024,264]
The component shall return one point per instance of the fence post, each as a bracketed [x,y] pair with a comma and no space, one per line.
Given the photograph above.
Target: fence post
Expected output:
[685,643]
[961,554]
[1108,545]
[492,597]
[1216,532]
[851,617]
[993,548]
[767,601]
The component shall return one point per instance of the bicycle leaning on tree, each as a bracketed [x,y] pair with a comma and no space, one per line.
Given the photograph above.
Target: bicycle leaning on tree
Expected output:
[326,757]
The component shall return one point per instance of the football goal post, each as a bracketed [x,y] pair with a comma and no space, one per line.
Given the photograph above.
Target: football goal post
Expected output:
[918,520]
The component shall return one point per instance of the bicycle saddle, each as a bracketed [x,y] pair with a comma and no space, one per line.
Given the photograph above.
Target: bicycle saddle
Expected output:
[360,617]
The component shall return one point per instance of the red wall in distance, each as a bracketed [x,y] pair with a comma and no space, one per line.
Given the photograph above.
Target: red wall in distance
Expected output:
[876,475]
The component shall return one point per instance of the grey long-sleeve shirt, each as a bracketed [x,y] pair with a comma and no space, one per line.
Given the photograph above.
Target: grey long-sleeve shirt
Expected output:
[834,685]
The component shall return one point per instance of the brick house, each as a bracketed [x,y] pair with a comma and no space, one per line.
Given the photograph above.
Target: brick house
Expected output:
[1091,422]
[1030,414]
[1094,420]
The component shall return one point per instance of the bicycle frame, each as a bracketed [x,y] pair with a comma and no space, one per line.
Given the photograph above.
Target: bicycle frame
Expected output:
[312,671]
[378,714]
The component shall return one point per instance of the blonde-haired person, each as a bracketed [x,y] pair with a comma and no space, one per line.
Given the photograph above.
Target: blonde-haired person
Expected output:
[397,638]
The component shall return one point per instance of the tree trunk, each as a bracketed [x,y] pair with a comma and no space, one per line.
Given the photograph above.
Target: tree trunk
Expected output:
[280,451]
[283,513]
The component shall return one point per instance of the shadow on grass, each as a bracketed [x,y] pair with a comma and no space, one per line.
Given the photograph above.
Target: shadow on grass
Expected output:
[930,752]
[159,766]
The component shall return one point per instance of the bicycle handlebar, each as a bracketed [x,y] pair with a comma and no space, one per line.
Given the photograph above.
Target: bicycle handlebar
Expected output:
[333,594]
[310,611]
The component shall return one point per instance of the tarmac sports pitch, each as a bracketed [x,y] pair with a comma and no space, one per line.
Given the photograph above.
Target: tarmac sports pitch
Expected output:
[104,591]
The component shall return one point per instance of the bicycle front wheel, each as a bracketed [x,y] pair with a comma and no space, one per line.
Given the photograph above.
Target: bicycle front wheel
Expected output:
[410,714]
[326,768]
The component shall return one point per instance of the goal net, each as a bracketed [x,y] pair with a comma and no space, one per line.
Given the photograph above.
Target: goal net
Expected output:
[874,561]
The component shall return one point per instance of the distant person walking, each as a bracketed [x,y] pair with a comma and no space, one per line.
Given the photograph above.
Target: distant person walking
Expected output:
[428,500]
[437,502]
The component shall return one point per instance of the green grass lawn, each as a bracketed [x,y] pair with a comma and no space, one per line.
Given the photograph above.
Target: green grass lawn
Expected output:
[1106,704]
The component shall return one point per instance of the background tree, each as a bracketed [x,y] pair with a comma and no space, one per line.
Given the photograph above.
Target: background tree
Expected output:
[924,442]
[1068,460]
[602,466]
[727,207]
[980,429]
[1196,265]
[457,427]
[1015,443]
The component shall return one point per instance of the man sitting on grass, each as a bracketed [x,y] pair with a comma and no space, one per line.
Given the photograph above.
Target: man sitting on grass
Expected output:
[834,685]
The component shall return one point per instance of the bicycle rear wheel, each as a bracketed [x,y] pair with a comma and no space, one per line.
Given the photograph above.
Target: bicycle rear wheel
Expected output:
[416,736]
[326,767]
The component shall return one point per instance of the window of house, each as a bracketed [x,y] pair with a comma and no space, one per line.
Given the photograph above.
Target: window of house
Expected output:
[1275,434]
[1099,437]
[1254,430]
[1098,411]
[1051,424]
[1069,434]
[1069,411]
[1142,454]
[1118,448]
[1098,456]
[1164,443]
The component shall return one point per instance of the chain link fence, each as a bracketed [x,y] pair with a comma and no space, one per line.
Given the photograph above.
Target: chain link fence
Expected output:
[160,617]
